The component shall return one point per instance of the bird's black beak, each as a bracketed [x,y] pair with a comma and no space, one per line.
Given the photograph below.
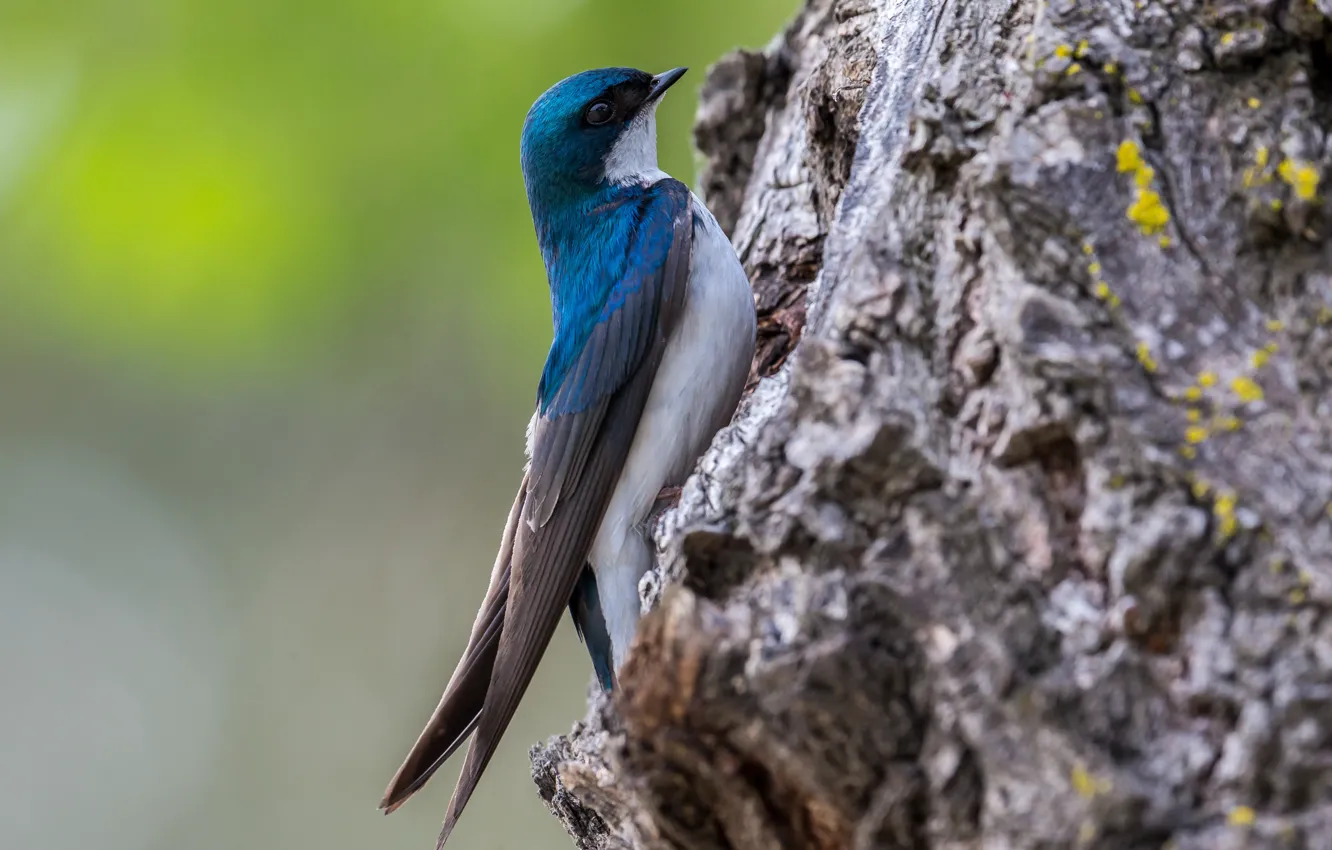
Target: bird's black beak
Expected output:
[663,81]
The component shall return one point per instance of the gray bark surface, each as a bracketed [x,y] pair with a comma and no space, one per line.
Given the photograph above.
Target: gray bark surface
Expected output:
[1023,537]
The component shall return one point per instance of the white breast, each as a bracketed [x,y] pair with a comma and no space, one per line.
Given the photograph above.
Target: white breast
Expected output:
[694,394]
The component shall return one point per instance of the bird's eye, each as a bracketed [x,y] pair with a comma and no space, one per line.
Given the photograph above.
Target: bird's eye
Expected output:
[599,112]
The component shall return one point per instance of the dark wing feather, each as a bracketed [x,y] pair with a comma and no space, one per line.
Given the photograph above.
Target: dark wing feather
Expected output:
[458,710]
[549,557]
[560,448]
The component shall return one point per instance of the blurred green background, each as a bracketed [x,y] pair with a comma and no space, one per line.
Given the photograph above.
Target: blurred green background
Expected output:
[271,319]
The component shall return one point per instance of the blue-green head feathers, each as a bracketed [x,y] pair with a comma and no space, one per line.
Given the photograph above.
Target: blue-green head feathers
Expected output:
[588,130]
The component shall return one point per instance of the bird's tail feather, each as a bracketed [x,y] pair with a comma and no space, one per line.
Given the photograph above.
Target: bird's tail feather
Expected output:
[585,609]
[455,718]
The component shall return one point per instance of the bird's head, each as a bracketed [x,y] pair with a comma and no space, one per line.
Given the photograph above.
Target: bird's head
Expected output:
[591,129]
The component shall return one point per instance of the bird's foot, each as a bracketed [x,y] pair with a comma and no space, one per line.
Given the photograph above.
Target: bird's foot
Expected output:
[668,498]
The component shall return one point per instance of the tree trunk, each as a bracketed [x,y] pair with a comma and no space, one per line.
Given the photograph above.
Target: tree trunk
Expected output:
[1028,543]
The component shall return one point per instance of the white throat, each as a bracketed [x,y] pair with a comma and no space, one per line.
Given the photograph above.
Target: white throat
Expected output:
[633,159]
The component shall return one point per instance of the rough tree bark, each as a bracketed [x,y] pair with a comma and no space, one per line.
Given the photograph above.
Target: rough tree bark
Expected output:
[1027,544]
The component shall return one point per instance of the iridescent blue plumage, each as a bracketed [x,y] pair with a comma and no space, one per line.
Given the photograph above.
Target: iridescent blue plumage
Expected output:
[611,263]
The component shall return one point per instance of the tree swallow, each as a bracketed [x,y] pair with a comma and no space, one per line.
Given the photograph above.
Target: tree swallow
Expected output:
[654,333]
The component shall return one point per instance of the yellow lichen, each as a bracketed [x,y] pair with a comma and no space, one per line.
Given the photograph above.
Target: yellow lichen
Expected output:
[1188,452]
[1271,348]
[1148,212]
[1275,325]
[1094,269]
[1083,782]
[1207,379]
[1300,176]
[1256,175]
[1275,204]
[1195,434]
[1200,488]
[1083,47]
[1254,103]
[1228,38]
[1193,415]
[1102,289]
[1259,359]
[1127,156]
[1324,315]
[1241,816]
[1088,248]
[1224,510]
[1298,596]
[1063,51]
[1086,784]
[1134,96]
[1110,68]
[1193,394]
[1073,69]
[1228,423]
[1164,242]
[1247,389]
[1114,300]
[1145,357]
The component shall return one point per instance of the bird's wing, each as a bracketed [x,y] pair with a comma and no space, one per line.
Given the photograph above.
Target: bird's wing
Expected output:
[585,426]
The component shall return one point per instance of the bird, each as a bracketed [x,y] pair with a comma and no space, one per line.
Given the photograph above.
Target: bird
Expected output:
[653,334]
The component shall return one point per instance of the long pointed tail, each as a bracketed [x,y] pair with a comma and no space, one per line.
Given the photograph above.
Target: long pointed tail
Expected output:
[456,716]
